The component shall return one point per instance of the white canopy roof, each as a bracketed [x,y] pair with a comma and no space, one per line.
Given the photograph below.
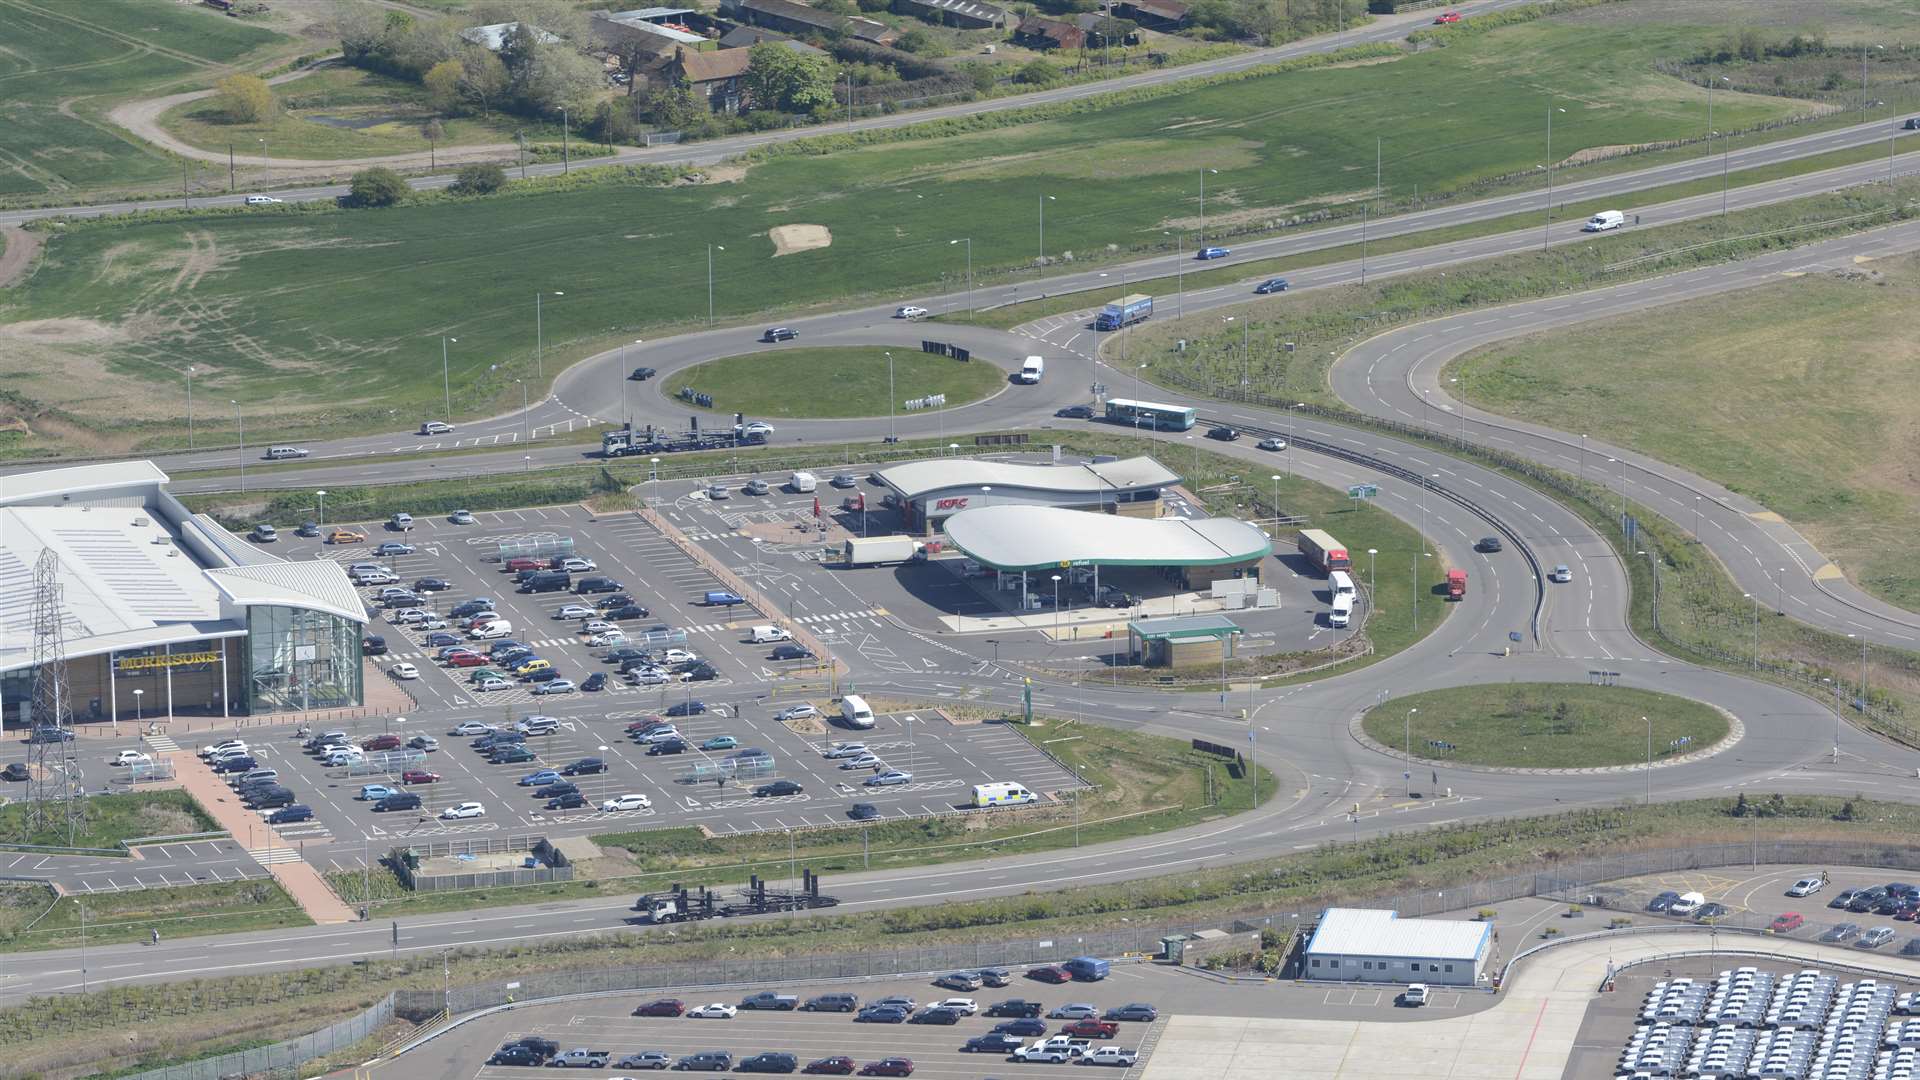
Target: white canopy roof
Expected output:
[917,478]
[1038,537]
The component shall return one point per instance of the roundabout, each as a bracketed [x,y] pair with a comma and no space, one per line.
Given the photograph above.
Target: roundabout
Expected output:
[832,383]
[1545,726]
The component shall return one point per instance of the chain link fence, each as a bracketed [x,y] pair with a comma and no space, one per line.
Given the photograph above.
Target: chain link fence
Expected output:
[281,1057]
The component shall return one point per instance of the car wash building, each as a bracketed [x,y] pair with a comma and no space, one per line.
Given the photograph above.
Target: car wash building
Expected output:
[927,493]
[161,611]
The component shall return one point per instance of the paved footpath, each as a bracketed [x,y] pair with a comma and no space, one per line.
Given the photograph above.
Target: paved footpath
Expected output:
[1529,1035]
[281,859]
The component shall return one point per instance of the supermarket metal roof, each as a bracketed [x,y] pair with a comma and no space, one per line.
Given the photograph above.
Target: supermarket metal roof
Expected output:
[917,478]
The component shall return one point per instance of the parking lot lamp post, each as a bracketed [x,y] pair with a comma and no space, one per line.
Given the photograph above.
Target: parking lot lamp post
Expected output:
[138,715]
[321,524]
[969,242]
[526,432]
[189,406]
[446,378]
[1371,552]
[710,250]
[1409,769]
[891,436]
[1044,200]
[653,474]
[1276,499]
[1056,607]
[242,421]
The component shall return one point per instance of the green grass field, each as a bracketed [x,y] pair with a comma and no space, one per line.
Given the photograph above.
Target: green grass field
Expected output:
[836,382]
[132,915]
[334,318]
[1800,394]
[397,112]
[83,55]
[1544,725]
[111,819]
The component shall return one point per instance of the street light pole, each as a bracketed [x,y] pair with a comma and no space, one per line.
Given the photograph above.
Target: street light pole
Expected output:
[1371,552]
[1044,200]
[189,406]
[1203,199]
[539,338]
[446,378]
[1546,234]
[525,431]
[1409,762]
[969,242]
[242,421]
[1647,798]
[322,512]
[710,248]
[1056,609]
[566,149]
[891,436]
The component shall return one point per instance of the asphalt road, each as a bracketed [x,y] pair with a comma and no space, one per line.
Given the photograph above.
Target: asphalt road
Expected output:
[1382,28]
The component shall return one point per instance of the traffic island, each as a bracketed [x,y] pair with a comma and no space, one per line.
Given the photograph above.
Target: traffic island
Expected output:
[1554,727]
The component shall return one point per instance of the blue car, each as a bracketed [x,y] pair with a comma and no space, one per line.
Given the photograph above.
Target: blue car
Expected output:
[393,548]
[376,792]
[540,779]
[1212,253]
[687,708]
[1272,285]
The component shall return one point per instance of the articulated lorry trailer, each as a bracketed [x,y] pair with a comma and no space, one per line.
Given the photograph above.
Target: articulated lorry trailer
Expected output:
[881,550]
[1124,312]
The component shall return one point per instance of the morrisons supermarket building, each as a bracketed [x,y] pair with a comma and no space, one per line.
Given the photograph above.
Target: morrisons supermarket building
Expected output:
[162,611]
[929,492]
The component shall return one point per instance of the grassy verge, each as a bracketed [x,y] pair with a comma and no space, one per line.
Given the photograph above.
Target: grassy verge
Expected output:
[1832,351]
[235,1007]
[104,918]
[1545,725]
[833,382]
[1140,784]
[111,819]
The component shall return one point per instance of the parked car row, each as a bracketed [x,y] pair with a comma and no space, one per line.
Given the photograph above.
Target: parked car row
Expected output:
[258,788]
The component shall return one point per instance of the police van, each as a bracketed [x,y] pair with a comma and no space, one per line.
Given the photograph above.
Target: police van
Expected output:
[1002,794]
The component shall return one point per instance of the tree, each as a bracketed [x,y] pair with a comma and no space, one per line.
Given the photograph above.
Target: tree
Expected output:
[442,81]
[483,80]
[631,55]
[245,99]
[483,178]
[434,131]
[1037,73]
[920,43]
[670,107]
[376,187]
[779,78]
[1260,19]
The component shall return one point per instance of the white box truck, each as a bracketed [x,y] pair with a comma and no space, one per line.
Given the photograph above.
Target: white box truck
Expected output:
[880,550]
[1032,369]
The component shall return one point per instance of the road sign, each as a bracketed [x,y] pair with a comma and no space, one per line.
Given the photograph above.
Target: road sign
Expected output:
[1363,491]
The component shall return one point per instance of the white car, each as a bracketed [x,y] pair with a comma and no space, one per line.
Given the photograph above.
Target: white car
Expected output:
[404,670]
[223,747]
[1807,886]
[1563,573]
[756,428]
[958,1004]
[131,757]
[599,626]
[1111,1055]
[719,1010]
[801,711]
[679,656]
[474,727]
[464,810]
[1415,995]
[845,750]
[576,611]
[865,759]
[626,802]
[262,200]
[647,677]
[461,517]
[889,778]
[908,311]
[660,735]
[607,640]
[578,565]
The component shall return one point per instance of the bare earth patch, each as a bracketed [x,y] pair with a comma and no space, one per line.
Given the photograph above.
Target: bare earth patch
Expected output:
[788,239]
[21,247]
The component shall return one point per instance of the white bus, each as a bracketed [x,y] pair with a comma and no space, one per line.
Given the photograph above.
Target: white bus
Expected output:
[1002,794]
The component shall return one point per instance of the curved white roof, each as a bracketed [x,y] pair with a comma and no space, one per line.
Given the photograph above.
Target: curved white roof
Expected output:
[1040,537]
[917,478]
[319,584]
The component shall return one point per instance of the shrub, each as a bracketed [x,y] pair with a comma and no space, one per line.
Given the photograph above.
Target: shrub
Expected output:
[480,178]
[376,187]
[245,99]
[1038,73]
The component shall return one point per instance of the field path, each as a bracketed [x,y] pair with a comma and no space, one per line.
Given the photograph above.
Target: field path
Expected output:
[142,120]
[21,247]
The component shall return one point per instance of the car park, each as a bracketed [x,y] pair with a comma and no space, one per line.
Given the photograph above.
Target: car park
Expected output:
[1841,932]
[1787,922]
[687,708]
[346,536]
[399,800]
[419,776]
[1017,1008]
[1049,973]
[770,1061]
[776,789]
[933,1015]
[472,727]
[426,743]
[1844,897]
[992,1043]
[290,815]
[1139,1011]
[797,712]
[963,1005]
[882,1014]
[892,1066]
[1073,1011]
[835,1002]
[669,746]
[554,686]
[755,486]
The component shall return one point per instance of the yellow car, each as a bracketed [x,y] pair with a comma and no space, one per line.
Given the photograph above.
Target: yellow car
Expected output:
[531,666]
[346,536]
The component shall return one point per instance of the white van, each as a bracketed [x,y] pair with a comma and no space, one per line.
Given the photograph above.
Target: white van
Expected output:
[763,635]
[1002,794]
[1342,611]
[853,709]
[400,522]
[1342,583]
[498,628]
[802,481]
[284,453]
[1032,369]
[1604,220]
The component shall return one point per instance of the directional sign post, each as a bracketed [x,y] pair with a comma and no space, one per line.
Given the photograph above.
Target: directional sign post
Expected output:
[1359,492]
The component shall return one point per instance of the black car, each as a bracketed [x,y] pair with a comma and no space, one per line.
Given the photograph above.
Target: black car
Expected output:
[1271,285]
[14,771]
[937,1016]
[687,708]
[1015,1007]
[642,374]
[775,789]
[780,333]
[597,584]
[998,1043]
[239,764]
[1075,412]
[585,766]
[881,1014]
[701,671]
[614,601]
[863,811]
[373,645]
[467,608]
[516,1055]
[288,815]
[573,801]
[671,746]
[1489,544]
[630,611]
[440,639]
[431,584]
[1663,901]
[401,800]
[1223,433]
[595,681]
[543,675]
[1028,1027]
[545,1047]
[789,652]
[706,1061]
[557,789]
[625,653]
[773,1061]
[270,798]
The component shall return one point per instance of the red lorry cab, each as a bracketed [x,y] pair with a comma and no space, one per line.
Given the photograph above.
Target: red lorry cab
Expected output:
[1456,584]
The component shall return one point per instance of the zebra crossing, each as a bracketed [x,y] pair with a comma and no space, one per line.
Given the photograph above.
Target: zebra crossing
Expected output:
[161,743]
[840,616]
[268,856]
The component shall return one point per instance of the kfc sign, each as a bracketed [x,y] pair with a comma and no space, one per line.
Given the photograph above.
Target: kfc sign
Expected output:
[951,504]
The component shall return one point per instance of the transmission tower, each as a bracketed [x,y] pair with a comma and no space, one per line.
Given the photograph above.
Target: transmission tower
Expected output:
[52,796]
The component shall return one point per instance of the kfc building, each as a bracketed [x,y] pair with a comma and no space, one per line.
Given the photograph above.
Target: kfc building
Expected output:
[926,493]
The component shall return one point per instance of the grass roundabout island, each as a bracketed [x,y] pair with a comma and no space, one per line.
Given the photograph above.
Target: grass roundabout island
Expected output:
[833,383]
[1545,725]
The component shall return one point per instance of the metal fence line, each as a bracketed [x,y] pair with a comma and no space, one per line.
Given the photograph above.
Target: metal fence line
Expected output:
[286,1055]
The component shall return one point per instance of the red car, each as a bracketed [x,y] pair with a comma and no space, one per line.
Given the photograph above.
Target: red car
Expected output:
[419,776]
[648,724]
[662,1007]
[1786,921]
[838,1065]
[1090,1028]
[466,659]
[1446,17]
[887,1067]
[1051,974]
[514,566]
[382,742]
